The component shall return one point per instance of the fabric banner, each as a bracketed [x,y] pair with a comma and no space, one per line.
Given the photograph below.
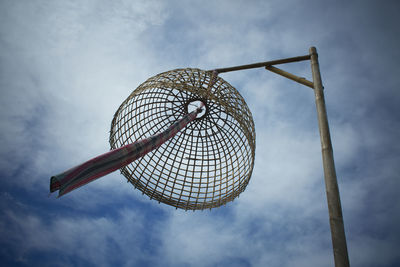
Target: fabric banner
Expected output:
[115,159]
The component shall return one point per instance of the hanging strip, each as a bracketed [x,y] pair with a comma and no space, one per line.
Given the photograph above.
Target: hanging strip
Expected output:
[114,159]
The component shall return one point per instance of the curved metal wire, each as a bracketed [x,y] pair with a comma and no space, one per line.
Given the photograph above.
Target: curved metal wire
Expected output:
[207,164]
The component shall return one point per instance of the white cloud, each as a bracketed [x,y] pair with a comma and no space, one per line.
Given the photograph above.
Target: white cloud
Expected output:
[94,239]
[71,79]
[66,67]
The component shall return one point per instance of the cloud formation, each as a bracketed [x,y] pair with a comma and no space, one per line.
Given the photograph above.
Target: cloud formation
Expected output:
[67,66]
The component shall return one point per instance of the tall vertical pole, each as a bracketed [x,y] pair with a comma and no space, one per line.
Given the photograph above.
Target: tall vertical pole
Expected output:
[332,191]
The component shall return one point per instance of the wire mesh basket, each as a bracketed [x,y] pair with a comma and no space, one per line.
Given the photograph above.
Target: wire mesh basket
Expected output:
[210,161]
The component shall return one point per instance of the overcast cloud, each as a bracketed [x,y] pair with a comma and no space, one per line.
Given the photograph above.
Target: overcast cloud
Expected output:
[66,66]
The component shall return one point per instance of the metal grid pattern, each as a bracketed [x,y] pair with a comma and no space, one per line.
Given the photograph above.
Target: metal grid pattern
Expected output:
[205,165]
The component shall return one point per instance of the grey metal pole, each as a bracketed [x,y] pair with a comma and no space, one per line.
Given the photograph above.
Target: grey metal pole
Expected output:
[332,190]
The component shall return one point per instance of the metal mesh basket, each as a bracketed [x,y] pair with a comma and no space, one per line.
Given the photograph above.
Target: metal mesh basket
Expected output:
[205,165]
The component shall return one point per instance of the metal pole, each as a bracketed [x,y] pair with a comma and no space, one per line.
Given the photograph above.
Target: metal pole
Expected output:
[332,191]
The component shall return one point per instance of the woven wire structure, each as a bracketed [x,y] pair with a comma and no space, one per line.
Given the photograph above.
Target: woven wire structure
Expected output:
[210,161]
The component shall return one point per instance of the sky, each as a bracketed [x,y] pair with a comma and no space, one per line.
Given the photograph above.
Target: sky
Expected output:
[66,66]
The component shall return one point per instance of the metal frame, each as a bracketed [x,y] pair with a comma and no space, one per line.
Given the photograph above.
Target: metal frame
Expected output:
[332,190]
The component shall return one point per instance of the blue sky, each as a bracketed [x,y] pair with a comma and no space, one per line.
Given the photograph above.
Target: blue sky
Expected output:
[66,66]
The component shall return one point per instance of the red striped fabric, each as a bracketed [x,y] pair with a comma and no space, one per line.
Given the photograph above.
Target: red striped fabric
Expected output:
[115,159]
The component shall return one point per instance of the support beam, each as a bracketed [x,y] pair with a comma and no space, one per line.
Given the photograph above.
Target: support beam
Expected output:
[264,64]
[290,76]
[332,190]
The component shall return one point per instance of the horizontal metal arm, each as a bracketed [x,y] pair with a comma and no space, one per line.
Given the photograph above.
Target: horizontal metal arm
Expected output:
[264,64]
